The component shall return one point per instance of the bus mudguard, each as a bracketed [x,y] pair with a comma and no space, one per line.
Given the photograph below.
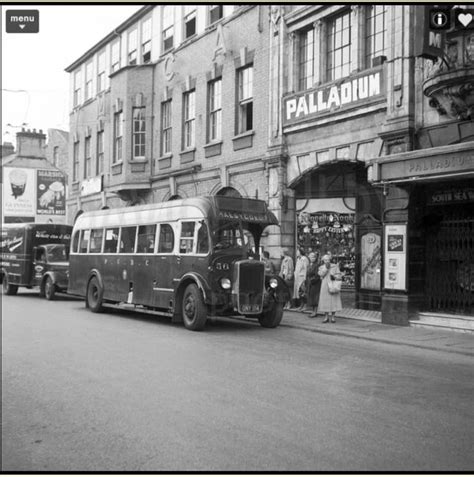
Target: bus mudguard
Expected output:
[200,282]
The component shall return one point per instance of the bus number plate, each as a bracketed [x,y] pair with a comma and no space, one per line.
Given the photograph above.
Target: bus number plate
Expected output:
[250,308]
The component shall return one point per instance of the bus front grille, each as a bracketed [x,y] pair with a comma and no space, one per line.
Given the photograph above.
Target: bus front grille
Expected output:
[249,286]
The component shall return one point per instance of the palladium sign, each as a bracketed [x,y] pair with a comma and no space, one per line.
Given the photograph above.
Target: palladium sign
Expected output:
[330,98]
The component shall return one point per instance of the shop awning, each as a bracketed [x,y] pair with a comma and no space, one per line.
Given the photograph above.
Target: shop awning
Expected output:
[437,163]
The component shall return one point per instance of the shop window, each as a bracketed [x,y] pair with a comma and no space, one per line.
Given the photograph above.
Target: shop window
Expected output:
[339,47]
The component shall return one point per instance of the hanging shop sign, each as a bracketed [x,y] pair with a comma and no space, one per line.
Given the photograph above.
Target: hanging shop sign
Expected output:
[347,93]
[371,265]
[395,257]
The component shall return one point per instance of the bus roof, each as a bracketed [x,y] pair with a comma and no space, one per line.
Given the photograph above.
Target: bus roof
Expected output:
[215,207]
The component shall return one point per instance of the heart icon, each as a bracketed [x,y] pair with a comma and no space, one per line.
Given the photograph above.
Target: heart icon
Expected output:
[465,19]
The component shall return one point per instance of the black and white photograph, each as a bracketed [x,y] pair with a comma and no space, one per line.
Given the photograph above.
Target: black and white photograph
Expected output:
[237,238]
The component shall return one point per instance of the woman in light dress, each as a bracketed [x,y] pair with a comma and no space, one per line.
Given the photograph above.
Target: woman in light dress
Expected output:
[329,303]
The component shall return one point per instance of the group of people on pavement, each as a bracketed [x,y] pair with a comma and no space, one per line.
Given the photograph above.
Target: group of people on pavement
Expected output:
[315,284]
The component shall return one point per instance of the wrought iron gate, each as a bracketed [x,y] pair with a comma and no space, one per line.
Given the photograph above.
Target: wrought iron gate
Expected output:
[450,263]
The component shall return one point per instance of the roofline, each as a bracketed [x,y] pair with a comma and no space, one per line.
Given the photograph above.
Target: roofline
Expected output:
[122,27]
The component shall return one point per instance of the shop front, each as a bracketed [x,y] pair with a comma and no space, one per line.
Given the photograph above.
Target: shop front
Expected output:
[430,195]
[337,211]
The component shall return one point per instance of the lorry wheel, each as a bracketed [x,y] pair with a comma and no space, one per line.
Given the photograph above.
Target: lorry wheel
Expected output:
[194,309]
[49,289]
[7,287]
[94,295]
[272,317]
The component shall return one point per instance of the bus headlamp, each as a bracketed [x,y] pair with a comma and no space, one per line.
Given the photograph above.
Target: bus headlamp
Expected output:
[273,282]
[225,283]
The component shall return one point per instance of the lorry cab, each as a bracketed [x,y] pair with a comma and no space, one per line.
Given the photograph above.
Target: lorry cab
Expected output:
[51,269]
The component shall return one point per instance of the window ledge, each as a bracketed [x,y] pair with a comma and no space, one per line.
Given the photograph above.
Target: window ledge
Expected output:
[138,160]
[213,143]
[165,156]
[244,134]
[191,149]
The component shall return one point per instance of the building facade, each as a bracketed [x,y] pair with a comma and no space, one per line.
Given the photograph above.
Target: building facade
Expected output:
[174,103]
[371,160]
[33,190]
[342,117]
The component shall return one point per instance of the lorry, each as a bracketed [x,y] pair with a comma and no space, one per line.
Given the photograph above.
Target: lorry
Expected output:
[35,255]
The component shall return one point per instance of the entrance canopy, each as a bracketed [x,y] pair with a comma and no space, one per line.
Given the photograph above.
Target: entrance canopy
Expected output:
[445,162]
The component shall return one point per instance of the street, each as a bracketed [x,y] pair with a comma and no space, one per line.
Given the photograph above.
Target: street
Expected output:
[123,391]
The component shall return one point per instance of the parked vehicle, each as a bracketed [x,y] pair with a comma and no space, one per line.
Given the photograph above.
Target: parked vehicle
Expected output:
[186,258]
[35,255]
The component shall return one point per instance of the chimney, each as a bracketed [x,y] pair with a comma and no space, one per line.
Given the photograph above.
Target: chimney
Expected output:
[7,149]
[30,143]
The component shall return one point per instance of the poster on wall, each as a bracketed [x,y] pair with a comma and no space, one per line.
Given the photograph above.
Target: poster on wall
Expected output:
[19,187]
[51,193]
[371,266]
[395,257]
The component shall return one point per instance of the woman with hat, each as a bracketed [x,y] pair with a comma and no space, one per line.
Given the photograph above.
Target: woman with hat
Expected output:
[330,294]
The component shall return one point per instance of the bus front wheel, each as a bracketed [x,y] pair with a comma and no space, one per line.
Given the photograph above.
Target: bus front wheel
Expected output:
[8,288]
[194,309]
[272,317]
[94,295]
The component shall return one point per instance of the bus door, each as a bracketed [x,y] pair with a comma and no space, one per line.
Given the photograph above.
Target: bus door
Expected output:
[164,266]
[144,267]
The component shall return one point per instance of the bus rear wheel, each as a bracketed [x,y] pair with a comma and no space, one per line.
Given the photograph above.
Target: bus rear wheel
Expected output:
[194,309]
[7,287]
[272,317]
[49,289]
[94,295]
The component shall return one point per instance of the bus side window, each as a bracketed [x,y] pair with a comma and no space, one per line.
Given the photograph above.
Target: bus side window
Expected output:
[127,240]
[202,238]
[146,238]
[75,241]
[166,240]
[111,240]
[84,243]
[96,240]
[186,240]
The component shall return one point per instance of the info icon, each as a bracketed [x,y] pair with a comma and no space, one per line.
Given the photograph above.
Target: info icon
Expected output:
[440,19]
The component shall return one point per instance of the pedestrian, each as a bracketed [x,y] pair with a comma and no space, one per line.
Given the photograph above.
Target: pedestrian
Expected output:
[329,300]
[313,285]
[301,270]
[269,267]
[287,271]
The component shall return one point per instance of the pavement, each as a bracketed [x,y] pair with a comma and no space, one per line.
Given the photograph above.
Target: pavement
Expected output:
[368,328]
